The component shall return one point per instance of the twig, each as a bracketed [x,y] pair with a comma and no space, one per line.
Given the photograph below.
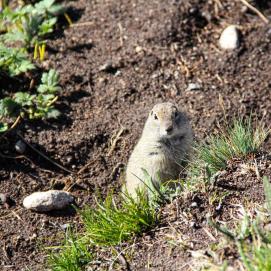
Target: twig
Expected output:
[68,18]
[257,170]
[85,167]
[21,157]
[122,258]
[11,157]
[121,34]
[220,229]
[115,169]
[44,156]
[210,234]
[15,123]
[116,139]
[255,10]
[82,24]
[17,216]
[53,101]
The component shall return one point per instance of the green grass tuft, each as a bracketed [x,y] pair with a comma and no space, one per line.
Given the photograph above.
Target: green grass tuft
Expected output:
[240,140]
[110,224]
[72,256]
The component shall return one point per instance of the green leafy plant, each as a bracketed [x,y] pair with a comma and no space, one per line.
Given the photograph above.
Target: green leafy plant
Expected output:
[3,127]
[8,107]
[33,106]
[14,61]
[49,8]
[31,23]
[49,83]
[41,105]
[27,26]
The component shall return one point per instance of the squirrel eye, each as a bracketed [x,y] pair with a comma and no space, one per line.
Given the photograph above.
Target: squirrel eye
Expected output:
[155,117]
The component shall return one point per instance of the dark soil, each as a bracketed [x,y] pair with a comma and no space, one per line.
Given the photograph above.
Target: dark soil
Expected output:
[116,61]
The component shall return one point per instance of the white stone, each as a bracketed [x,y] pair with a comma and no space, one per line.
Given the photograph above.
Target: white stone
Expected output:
[193,87]
[48,201]
[194,204]
[229,38]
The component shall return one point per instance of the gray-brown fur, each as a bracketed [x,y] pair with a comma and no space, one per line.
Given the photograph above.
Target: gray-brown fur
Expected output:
[164,144]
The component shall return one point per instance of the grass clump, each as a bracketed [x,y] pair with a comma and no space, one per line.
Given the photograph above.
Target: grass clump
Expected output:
[251,239]
[74,255]
[240,140]
[110,223]
[256,255]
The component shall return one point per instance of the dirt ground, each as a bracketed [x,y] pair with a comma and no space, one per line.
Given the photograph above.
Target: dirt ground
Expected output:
[116,61]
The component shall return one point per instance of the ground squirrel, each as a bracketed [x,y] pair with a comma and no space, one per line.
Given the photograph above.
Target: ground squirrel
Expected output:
[164,144]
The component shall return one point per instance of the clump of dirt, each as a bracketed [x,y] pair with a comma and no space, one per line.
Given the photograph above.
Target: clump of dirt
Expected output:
[116,61]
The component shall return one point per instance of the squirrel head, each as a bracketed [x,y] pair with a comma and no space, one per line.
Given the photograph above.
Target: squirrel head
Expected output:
[166,121]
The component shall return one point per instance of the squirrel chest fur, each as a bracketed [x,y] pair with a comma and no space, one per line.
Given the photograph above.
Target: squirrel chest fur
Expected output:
[163,146]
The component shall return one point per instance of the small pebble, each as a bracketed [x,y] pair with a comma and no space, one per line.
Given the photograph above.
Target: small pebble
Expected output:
[193,87]
[3,198]
[106,67]
[48,201]
[218,207]
[229,39]
[65,226]
[138,49]
[6,200]
[69,159]
[20,146]
[192,224]
[33,237]
[194,204]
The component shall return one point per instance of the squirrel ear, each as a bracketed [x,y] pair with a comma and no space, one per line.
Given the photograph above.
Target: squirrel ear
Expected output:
[151,113]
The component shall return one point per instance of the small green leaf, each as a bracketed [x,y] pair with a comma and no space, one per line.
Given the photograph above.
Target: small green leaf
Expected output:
[52,113]
[47,26]
[49,6]
[14,61]
[7,107]
[50,82]
[3,127]
[24,99]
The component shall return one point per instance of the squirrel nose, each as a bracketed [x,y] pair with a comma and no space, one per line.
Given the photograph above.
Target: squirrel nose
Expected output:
[169,129]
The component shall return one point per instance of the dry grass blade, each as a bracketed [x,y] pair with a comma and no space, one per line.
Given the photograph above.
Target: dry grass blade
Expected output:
[44,156]
[255,10]
[267,191]
[114,140]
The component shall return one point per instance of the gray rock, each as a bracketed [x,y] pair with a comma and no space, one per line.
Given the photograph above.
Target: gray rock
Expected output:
[229,39]
[20,146]
[48,201]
